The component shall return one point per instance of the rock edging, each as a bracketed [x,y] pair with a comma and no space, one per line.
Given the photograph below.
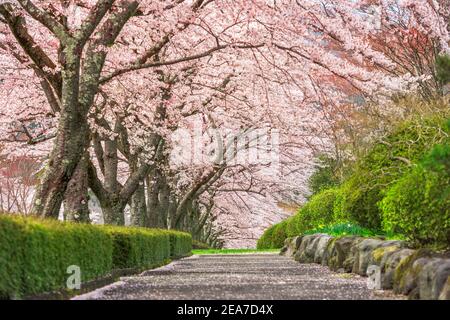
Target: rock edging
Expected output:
[391,264]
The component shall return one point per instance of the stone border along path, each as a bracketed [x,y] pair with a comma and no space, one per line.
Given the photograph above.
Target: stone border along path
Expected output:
[243,276]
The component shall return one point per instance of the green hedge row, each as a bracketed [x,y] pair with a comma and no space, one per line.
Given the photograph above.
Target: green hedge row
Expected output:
[35,253]
[180,243]
[402,186]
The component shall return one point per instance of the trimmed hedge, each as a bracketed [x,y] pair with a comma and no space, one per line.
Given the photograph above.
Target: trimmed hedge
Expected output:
[180,243]
[35,253]
[136,248]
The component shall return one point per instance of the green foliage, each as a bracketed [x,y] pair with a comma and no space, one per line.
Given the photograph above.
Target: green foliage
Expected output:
[180,243]
[324,176]
[384,164]
[392,186]
[136,248]
[198,245]
[317,212]
[265,242]
[291,227]
[443,68]
[35,253]
[279,235]
[418,205]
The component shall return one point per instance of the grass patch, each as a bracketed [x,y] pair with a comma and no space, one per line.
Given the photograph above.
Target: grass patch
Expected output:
[352,229]
[233,251]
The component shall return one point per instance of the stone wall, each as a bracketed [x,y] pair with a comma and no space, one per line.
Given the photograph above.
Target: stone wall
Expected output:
[390,264]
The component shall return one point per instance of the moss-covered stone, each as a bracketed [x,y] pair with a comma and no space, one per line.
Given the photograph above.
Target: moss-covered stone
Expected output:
[322,244]
[389,262]
[378,254]
[328,251]
[363,252]
[307,248]
[291,246]
[433,277]
[341,253]
[405,275]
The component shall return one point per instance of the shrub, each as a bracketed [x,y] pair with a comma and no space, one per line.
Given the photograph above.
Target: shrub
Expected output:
[199,245]
[418,205]
[279,235]
[443,69]
[180,243]
[35,253]
[291,226]
[324,175]
[384,164]
[136,248]
[339,209]
[265,242]
[318,211]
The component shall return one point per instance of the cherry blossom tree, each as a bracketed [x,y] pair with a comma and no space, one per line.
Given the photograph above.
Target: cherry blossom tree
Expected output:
[100,89]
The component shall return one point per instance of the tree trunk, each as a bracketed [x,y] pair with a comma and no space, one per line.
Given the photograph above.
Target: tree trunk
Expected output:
[164,202]
[172,211]
[138,207]
[71,140]
[113,213]
[152,200]
[76,197]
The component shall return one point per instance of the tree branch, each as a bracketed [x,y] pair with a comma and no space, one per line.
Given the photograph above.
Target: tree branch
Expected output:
[44,18]
[135,67]
[93,20]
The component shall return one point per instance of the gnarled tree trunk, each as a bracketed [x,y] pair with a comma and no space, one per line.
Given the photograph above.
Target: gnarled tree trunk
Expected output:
[76,197]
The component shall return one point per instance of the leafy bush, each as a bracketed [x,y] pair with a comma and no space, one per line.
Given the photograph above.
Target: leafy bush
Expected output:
[386,188]
[291,227]
[317,212]
[279,235]
[418,205]
[339,207]
[199,245]
[265,242]
[384,164]
[324,176]
[443,68]
[35,253]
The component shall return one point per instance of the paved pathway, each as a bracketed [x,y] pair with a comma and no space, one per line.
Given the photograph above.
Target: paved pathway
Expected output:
[248,276]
